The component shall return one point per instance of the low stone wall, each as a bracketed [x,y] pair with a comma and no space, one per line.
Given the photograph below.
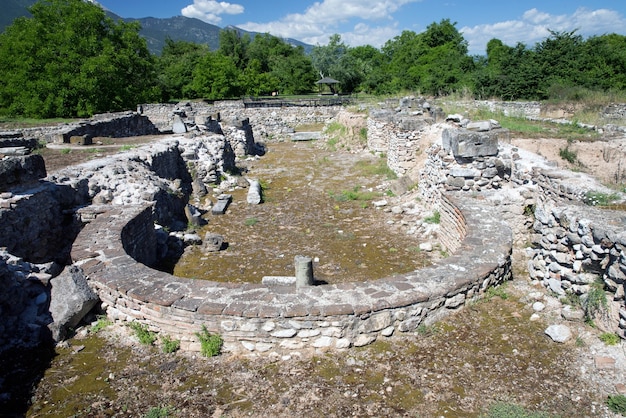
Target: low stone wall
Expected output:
[257,318]
[266,122]
[578,246]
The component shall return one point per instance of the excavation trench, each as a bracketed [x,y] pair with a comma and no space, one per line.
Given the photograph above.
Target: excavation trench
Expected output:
[317,203]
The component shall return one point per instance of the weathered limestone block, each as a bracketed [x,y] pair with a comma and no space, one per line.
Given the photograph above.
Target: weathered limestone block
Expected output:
[178,126]
[23,170]
[470,144]
[71,299]
[212,242]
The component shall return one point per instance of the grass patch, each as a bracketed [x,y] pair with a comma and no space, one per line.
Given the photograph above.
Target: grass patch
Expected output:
[617,404]
[378,168]
[210,344]
[143,334]
[159,412]
[66,151]
[609,338]
[497,291]
[593,198]
[520,126]
[251,221]
[509,410]
[100,324]
[310,127]
[355,194]
[126,147]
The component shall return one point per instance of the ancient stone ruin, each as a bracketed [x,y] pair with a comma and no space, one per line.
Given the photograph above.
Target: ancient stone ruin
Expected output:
[95,234]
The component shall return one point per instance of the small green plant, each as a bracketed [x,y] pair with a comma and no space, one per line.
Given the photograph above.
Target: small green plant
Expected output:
[609,338]
[66,150]
[210,344]
[355,194]
[499,291]
[435,218]
[100,324]
[529,210]
[568,155]
[126,147]
[363,134]
[580,342]
[169,345]
[251,221]
[427,330]
[159,412]
[595,302]
[617,404]
[145,336]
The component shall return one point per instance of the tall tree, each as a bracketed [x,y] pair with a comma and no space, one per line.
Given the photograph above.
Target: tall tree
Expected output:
[176,65]
[70,59]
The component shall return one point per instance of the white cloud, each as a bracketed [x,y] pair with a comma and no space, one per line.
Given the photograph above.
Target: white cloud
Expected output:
[325,18]
[210,10]
[534,26]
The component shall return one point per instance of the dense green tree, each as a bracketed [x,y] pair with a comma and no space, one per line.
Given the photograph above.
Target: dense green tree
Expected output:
[433,62]
[604,62]
[70,59]
[215,77]
[294,72]
[335,61]
[176,65]
[370,65]
[234,45]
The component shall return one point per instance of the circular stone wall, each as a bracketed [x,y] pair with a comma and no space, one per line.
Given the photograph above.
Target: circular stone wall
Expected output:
[258,318]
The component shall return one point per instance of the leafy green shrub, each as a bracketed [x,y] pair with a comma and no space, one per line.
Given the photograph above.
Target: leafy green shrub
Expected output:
[142,332]
[609,338]
[435,218]
[568,155]
[169,345]
[210,344]
[617,404]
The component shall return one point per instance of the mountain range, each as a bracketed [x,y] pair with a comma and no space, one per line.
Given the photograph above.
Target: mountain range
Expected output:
[154,30]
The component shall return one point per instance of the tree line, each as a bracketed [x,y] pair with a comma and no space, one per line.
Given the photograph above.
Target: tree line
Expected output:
[69,59]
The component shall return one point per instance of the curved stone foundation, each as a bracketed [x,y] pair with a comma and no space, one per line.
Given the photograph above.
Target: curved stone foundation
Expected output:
[257,318]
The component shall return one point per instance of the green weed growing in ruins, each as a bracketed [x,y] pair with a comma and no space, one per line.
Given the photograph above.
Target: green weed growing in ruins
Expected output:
[609,338]
[169,345]
[617,404]
[435,218]
[100,324]
[210,344]
[145,336]
[595,302]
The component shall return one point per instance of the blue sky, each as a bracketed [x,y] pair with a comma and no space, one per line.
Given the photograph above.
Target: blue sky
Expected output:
[373,22]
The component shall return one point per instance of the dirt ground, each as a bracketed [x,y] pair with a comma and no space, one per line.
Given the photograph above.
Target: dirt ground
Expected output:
[603,159]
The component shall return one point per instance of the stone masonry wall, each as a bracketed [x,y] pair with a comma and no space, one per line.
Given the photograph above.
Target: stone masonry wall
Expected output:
[257,318]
